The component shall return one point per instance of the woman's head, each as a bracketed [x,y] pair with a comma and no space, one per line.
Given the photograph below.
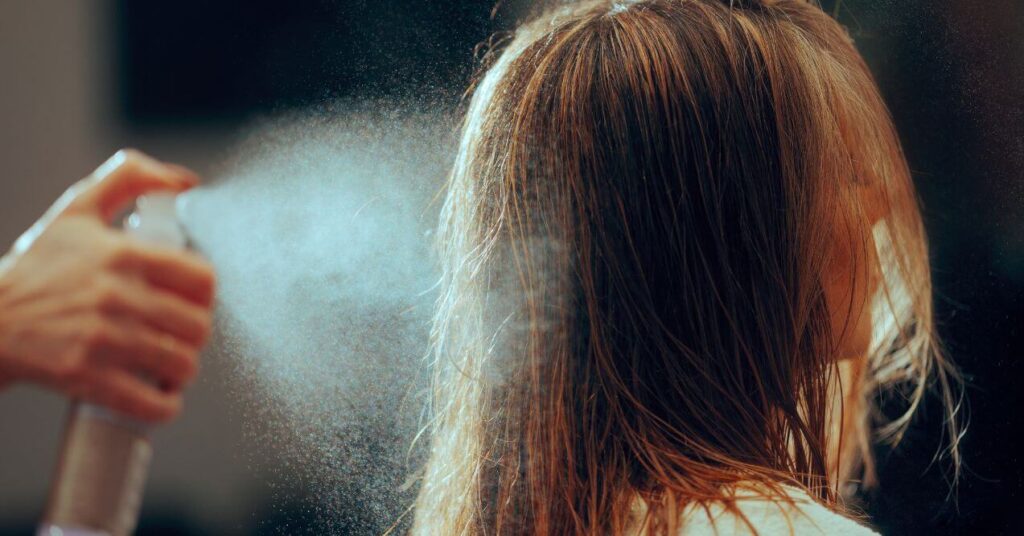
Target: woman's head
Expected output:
[670,221]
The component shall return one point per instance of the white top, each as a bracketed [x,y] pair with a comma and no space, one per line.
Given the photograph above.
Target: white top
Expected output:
[770,517]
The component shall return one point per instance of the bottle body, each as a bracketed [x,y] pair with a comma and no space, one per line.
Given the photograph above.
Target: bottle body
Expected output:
[101,475]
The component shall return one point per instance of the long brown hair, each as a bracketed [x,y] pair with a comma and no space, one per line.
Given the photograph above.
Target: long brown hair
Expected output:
[647,198]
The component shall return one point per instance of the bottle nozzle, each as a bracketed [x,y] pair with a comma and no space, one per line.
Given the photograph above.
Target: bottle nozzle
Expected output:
[155,220]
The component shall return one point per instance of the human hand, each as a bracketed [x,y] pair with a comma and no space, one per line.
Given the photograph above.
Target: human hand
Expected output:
[89,311]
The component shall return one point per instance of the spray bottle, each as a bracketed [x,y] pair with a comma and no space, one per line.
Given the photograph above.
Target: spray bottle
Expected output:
[104,458]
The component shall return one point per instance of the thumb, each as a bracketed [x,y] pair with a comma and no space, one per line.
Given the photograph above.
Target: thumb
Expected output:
[124,177]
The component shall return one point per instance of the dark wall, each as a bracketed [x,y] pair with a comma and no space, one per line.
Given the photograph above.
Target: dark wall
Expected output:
[952,72]
[218,59]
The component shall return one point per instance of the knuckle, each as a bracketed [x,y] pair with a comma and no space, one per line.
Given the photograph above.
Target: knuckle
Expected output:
[173,359]
[94,337]
[73,371]
[130,159]
[122,255]
[108,297]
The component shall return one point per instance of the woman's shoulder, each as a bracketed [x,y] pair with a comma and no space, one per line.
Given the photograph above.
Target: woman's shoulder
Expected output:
[757,512]
[797,514]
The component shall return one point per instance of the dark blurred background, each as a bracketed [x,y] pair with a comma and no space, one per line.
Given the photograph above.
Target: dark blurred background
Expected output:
[180,79]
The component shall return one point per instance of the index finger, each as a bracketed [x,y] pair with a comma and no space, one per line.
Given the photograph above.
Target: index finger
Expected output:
[124,177]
